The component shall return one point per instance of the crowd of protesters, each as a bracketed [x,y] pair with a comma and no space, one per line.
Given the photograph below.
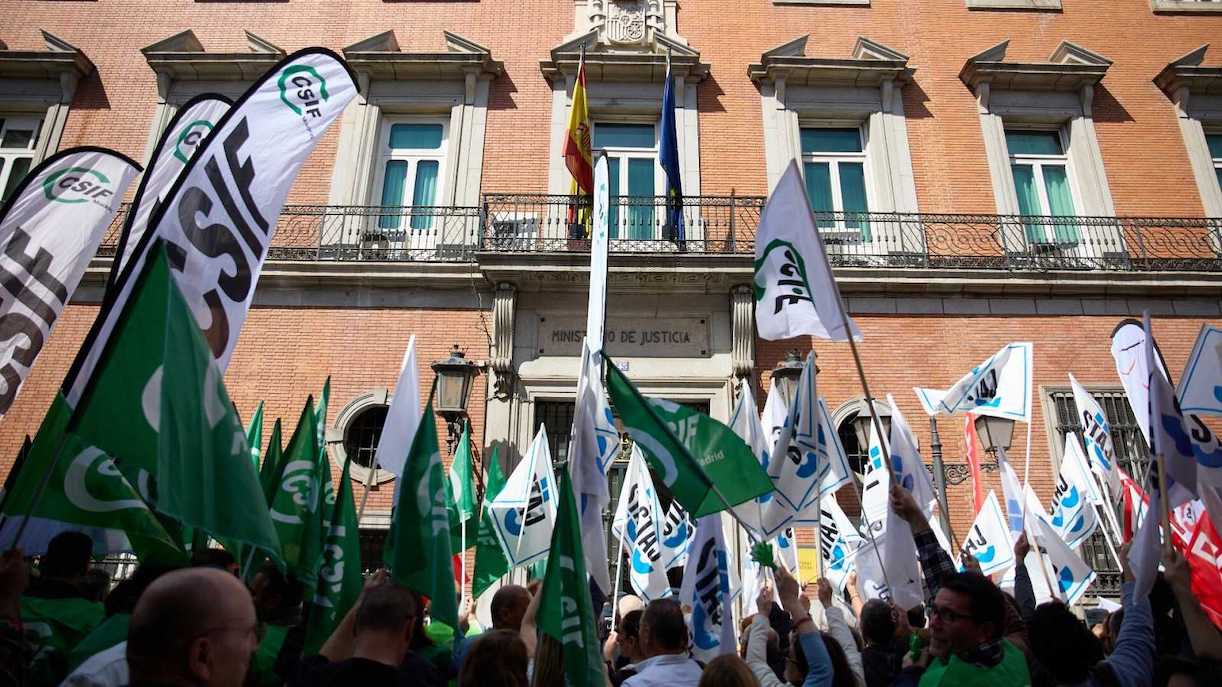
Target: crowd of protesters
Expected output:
[201,625]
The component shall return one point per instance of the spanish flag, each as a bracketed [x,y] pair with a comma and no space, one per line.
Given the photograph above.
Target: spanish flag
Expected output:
[578,154]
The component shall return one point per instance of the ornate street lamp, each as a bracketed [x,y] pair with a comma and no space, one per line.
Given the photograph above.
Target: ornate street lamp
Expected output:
[863,423]
[995,433]
[786,375]
[454,377]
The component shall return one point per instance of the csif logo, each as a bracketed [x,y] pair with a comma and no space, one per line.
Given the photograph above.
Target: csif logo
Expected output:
[77,185]
[303,89]
[190,137]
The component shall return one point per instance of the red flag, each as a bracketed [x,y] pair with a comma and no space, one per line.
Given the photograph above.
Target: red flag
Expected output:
[1136,502]
[1204,554]
[973,462]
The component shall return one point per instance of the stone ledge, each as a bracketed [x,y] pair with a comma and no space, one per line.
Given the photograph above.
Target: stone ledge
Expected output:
[1014,4]
[1185,6]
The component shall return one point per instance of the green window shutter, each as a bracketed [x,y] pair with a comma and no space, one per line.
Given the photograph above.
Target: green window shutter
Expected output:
[393,183]
[819,190]
[853,195]
[641,187]
[424,192]
[1028,200]
[613,192]
[1060,202]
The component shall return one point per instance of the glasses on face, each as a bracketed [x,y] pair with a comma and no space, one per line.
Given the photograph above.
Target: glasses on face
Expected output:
[946,614]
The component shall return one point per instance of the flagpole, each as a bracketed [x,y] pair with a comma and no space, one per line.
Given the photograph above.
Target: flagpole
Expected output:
[370,475]
[619,576]
[1162,497]
[42,487]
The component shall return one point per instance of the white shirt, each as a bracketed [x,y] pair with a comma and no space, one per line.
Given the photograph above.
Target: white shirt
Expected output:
[666,670]
[104,669]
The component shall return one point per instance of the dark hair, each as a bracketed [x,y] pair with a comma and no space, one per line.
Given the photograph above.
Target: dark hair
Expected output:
[67,555]
[497,658]
[123,598]
[386,608]
[420,638]
[916,616]
[506,599]
[212,558]
[288,588]
[95,583]
[727,670]
[630,626]
[842,673]
[1062,643]
[878,623]
[988,602]
[664,618]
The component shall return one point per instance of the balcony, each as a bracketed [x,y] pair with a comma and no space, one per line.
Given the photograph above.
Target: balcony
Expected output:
[726,226]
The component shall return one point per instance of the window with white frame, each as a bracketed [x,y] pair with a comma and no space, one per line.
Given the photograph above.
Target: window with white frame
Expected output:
[834,165]
[1040,169]
[18,138]
[633,176]
[409,172]
[1214,140]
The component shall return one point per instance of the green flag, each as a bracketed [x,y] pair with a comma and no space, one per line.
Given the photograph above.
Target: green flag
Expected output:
[460,501]
[320,421]
[671,436]
[418,546]
[566,613]
[269,472]
[490,561]
[254,435]
[84,491]
[297,504]
[339,578]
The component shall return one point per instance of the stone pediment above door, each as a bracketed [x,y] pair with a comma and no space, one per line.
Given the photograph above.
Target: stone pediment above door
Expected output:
[625,40]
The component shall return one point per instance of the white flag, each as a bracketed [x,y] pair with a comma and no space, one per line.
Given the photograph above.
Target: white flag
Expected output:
[796,465]
[220,215]
[1071,575]
[637,523]
[1097,432]
[836,475]
[1200,388]
[524,513]
[999,386]
[1012,492]
[906,461]
[592,446]
[177,145]
[838,542]
[1073,504]
[706,588]
[677,532]
[745,422]
[403,416]
[50,229]
[988,540]
[596,310]
[787,550]
[876,487]
[1128,350]
[795,292]
[871,581]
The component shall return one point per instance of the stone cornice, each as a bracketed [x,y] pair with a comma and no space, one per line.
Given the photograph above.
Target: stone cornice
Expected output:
[380,57]
[605,63]
[1070,68]
[60,59]
[1188,73]
[182,57]
[871,64]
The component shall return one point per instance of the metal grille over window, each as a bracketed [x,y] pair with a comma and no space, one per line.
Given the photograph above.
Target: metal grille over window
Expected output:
[1131,455]
[362,434]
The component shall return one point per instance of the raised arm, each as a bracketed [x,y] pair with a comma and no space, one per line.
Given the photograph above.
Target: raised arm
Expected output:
[820,672]
[935,564]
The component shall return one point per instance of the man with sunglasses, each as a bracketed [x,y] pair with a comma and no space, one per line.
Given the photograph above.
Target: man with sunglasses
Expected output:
[968,618]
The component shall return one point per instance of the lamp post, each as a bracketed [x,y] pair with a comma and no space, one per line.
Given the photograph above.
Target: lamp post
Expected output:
[786,375]
[995,433]
[454,377]
[863,423]
[939,473]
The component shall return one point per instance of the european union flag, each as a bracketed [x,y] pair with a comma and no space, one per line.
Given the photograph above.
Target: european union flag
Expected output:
[668,158]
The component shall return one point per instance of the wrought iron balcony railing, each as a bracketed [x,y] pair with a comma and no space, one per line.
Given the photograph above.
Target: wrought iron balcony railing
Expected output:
[726,225]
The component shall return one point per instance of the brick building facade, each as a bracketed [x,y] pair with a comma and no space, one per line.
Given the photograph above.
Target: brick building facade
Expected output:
[924,130]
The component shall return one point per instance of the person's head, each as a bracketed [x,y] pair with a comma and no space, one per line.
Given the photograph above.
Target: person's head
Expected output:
[420,638]
[663,630]
[797,667]
[878,623]
[727,670]
[1062,643]
[67,557]
[916,616]
[629,636]
[627,604]
[508,606]
[497,659]
[385,621]
[123,598]
[215,558]
[192,627]
[968,611]
[1111,630]
[274,593]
